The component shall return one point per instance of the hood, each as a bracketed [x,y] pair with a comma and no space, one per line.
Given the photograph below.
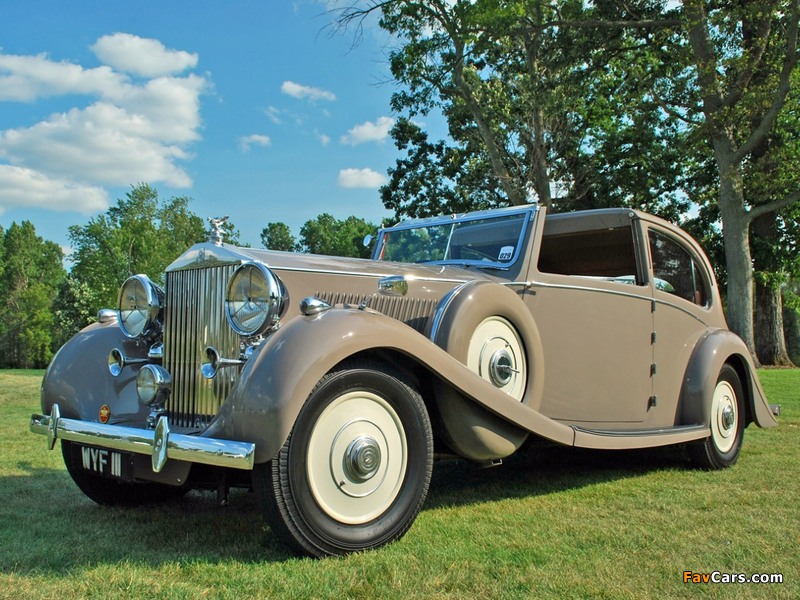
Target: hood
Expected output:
[207,255]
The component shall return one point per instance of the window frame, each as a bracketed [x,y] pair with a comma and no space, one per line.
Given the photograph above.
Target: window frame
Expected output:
[699,273]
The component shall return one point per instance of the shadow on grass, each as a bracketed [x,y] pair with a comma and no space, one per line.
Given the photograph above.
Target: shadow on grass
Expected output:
[538,469]
[49,526]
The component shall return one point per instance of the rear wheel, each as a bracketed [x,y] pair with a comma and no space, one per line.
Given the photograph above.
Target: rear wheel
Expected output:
[721,449]
[355,470]
[109,492]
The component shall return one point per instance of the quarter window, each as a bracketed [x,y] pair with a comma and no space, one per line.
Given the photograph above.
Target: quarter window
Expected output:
[676,270]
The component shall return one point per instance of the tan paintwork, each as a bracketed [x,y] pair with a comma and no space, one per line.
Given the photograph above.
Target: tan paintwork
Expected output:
[611,364]
[264,407]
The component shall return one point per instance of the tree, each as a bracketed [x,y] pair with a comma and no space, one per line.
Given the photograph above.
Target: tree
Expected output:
[587,94]
[743,55]
[32,272]
[328,235]
[139,234]
[791,319]
[533,108]
[73,309]
[278,236]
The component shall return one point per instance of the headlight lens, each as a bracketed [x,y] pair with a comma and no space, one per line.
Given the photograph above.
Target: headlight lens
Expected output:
[255,300]
[140,304]
[153,384]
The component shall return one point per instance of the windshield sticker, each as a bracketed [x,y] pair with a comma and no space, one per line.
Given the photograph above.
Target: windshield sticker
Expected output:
[506,253]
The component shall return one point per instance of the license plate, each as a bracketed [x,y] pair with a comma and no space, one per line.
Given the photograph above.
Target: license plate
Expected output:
[105,462]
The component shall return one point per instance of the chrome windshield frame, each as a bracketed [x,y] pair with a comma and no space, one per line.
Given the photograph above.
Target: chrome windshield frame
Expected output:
[449,220]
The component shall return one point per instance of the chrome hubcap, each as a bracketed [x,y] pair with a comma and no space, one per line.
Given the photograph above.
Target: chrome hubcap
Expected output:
[497,354]
[501,368]
[724,422]
[362,459]
[728,417]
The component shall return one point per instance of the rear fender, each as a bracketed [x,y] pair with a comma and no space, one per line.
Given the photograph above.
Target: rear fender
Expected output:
[279,377]
[710,354]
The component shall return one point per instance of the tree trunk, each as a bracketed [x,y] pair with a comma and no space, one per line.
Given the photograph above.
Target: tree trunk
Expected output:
[791,321]
[769,331]
[514,193]
[770,339]
[735,234]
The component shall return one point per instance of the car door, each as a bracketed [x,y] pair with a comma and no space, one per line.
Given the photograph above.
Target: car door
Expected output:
[593,307]
[682,301]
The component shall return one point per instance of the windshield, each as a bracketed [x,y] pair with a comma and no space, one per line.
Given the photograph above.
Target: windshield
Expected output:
[483,241]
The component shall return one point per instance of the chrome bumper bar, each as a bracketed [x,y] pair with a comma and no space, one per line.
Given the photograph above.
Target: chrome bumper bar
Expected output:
[160,443]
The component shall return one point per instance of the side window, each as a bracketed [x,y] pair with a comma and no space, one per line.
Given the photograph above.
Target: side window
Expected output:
[601,253]
[676,271]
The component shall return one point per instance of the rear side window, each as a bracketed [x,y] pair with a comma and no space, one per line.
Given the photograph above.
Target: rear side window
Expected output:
[676,270]
[602,253]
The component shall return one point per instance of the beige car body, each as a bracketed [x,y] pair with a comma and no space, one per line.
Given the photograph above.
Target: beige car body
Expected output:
[602,353]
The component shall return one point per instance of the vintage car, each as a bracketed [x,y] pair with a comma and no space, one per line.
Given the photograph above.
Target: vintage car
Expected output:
[326,383]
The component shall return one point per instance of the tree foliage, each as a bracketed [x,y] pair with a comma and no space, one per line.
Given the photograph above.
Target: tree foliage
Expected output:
[328,235]
[640,103]
[278,236]
[140,234]
[535,110]
[31,272]
[324,234]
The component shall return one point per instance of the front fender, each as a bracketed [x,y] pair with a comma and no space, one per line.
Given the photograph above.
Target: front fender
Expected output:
[78,379]
[710,354]
[276,382]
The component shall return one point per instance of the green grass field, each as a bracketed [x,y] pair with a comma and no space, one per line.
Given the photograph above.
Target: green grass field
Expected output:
[549,523]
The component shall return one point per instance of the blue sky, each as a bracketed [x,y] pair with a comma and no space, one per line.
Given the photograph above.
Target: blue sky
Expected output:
[251,108]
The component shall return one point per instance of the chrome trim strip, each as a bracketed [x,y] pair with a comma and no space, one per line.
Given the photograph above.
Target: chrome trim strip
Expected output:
[616,293]
[583,288]
[441,308]
[189,448]
[688,430]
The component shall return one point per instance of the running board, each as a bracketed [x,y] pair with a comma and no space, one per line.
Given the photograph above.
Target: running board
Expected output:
[638,438]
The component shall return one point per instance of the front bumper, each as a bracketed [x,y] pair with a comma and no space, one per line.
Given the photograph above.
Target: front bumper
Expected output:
[159,443]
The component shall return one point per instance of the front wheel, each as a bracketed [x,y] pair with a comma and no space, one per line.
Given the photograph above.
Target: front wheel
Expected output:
[721,449]
[355,470]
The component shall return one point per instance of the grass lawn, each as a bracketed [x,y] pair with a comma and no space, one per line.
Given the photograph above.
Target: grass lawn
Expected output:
[549,523]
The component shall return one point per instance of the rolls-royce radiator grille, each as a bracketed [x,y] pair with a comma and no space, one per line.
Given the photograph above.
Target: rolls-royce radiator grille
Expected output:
[414,312]
[195,319]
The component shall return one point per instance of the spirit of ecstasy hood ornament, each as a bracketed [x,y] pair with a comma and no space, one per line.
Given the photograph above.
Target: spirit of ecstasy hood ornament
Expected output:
[217,231]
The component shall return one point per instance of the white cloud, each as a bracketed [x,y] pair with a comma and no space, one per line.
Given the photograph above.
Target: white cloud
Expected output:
[360,178]
[102,143]
[126,132]
[253,140]
[273,114]
[141,56]
[304,92]
[323,139]
[369,132]
[26,78]
[26,187]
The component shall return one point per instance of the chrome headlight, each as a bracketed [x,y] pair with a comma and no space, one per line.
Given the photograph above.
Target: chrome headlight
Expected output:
[255,300]
[140,304]
[153,385]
